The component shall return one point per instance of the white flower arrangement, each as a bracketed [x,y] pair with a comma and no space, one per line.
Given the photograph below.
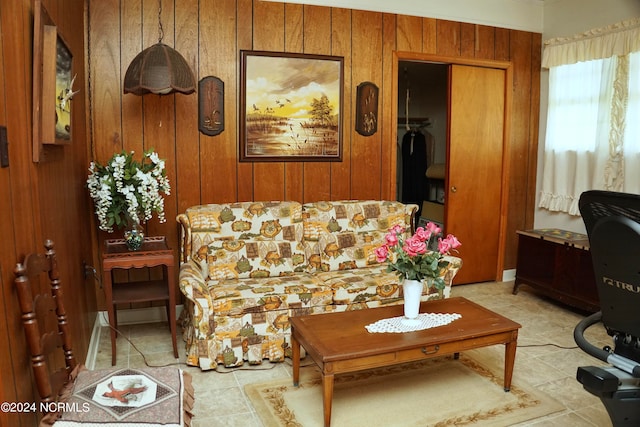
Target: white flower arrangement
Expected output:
[127,192]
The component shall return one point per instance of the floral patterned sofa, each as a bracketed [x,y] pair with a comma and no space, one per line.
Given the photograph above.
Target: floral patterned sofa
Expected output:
[247,267]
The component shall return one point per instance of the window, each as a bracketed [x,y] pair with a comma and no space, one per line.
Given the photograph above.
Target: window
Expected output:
[576,94]
[592,139]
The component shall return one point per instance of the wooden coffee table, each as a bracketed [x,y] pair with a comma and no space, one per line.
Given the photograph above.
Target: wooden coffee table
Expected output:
[339,343]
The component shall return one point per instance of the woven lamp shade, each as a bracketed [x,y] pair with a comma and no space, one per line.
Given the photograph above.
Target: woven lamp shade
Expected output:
[161,70]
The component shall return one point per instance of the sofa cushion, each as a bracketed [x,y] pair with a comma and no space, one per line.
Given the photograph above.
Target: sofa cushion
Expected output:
[347,250]
[229,259]
[236,297]
[352,215]
[371,285]
[342,235]
[255,221]
[362,285]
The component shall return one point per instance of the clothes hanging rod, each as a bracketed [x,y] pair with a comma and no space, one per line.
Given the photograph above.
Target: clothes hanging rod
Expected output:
[415,121]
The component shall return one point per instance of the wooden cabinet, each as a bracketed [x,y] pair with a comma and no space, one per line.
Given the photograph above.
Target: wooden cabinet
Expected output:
[558,264]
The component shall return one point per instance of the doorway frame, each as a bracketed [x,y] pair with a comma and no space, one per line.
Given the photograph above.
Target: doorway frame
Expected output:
[507,66]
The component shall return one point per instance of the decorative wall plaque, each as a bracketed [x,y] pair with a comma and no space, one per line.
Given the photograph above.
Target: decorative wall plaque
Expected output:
[211,106]
[367,109]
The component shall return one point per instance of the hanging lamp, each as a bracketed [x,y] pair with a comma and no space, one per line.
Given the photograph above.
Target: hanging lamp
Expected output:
[159,69]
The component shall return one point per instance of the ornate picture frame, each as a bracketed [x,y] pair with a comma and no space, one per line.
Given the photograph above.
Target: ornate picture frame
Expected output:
[44,69]
[52,84]
[290,107]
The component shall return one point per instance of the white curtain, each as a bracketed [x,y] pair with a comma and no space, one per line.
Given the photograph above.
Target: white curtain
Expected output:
[632,129]
[592,139]
[614,40]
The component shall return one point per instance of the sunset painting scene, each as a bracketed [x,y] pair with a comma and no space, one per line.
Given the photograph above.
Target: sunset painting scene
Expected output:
[292,107]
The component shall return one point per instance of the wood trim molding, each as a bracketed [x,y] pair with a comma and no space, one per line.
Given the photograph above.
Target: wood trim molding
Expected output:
[488,63]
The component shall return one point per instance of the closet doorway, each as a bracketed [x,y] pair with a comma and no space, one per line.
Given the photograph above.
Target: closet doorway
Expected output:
[467,168]
[422,137]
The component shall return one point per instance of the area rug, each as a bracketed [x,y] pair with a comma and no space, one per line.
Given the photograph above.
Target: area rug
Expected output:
[435,392]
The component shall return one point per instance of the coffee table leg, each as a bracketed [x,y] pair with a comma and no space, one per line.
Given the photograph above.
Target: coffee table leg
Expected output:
[509,359]
[295,354]
[327,397]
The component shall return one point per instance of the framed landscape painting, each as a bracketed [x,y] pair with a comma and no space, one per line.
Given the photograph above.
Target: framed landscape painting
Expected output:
[64,91]
[290,107]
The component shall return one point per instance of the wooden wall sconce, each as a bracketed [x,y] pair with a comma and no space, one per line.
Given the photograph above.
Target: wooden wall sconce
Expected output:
[367,109]
[211,106]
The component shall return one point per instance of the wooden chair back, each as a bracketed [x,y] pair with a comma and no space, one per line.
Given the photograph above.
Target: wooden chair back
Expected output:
[45,321]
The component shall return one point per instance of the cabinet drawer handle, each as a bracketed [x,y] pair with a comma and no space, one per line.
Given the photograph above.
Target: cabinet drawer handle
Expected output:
[435,350]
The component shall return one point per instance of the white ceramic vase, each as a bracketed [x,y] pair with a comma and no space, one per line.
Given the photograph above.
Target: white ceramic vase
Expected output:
[412,290]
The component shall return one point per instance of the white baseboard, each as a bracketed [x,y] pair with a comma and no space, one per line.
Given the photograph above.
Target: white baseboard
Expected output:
[125,317]
[94,344]
[509,275]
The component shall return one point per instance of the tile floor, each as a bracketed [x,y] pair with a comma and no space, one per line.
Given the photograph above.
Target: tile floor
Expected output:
[548,368]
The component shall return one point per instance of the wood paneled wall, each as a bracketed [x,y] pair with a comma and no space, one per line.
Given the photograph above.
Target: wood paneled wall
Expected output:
[210,35]
[38,201]
[49,199]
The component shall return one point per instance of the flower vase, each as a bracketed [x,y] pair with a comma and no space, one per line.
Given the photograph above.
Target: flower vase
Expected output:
[134,237]
[411,290]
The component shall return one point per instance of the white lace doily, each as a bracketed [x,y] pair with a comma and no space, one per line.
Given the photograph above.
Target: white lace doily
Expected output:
[401,324]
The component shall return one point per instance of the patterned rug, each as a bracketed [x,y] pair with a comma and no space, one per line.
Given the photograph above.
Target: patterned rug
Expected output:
[435,392]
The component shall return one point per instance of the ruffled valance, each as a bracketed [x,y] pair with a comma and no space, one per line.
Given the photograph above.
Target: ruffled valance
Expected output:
[613,40]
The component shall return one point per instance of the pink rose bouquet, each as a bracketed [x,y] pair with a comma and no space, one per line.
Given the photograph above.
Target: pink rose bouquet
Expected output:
[412,257]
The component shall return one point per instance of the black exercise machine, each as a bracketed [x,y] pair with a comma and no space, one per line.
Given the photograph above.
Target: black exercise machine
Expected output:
[612,221]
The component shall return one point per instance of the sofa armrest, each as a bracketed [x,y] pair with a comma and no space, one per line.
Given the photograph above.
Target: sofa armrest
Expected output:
[185,237]
[194,287]
[411,211]
[452,269]
[447,275]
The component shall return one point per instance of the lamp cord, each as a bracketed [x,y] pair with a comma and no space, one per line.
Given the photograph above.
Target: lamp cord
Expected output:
[144,358]
[160,29]
[119,332]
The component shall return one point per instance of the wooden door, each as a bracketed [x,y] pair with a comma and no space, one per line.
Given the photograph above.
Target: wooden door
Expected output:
[474,181]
